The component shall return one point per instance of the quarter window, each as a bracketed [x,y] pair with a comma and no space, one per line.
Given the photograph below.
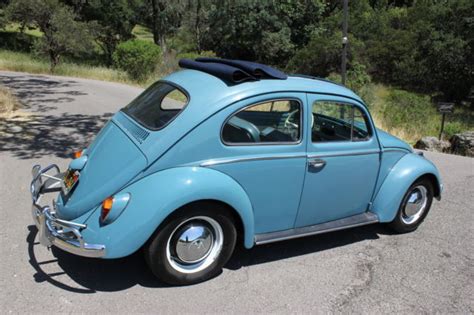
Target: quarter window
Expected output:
[277,121]
[334,121]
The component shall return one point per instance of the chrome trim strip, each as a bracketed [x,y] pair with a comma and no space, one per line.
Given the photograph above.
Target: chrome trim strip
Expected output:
[341,224]
[330,154]
[279,157]
[396,150]
[252,158]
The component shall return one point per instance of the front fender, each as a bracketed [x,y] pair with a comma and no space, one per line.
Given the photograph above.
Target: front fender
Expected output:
[408,169]
[155,197]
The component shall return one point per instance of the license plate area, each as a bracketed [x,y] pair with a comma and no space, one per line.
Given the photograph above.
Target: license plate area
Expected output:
[70,180]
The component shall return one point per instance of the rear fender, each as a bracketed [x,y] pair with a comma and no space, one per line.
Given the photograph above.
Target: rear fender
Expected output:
[155,197]
[406,171]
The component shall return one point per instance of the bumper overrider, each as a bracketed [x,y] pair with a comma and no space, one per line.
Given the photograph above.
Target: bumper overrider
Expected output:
[63,234]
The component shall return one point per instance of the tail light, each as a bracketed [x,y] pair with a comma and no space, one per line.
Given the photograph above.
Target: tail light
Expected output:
[106,207]
[77,154]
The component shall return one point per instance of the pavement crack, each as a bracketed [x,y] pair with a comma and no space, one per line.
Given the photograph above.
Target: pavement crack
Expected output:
[364,275]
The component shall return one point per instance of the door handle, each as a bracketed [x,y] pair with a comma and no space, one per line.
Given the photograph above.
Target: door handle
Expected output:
[316,163]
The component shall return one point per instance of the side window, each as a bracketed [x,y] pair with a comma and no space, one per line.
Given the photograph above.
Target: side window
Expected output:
[333,121]
[277,121]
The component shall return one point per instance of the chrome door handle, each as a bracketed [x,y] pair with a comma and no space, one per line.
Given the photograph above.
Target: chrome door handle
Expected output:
[316,163]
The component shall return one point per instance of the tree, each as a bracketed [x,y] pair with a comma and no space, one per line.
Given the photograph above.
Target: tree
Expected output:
[163,18]
[113,21]
[62,32]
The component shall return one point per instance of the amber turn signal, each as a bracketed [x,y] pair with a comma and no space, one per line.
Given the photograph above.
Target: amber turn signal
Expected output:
[106,207]
[77,154]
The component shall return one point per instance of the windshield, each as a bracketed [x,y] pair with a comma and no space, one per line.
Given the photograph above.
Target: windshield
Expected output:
[157,106]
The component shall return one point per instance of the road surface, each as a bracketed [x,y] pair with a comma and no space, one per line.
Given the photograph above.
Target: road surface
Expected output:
[363,270]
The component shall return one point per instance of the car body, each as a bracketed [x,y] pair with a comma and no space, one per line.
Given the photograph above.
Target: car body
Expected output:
[287,157]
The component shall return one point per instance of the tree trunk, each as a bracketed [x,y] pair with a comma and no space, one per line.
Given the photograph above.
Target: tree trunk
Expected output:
[53,60]
[197,26]
[159,37]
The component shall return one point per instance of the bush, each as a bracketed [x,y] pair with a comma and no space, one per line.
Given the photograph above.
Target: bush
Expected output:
[137,57]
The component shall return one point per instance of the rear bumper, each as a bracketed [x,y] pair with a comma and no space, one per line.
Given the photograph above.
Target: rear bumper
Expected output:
[63,234]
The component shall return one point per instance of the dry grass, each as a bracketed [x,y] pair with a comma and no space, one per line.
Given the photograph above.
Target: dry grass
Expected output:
[23,62]
[8,102]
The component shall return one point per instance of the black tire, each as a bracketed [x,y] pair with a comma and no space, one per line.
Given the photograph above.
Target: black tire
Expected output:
[167,269]
[402,222]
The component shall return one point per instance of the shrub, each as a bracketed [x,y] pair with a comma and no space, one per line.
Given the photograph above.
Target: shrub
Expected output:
[137,57]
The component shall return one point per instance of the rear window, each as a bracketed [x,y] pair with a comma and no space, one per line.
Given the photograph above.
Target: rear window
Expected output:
[157,106]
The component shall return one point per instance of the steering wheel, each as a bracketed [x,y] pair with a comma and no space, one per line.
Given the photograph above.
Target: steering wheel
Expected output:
[288,119]
[288,124]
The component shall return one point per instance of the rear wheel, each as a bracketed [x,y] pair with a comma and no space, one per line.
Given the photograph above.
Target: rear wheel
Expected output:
[414,207]
[192,246]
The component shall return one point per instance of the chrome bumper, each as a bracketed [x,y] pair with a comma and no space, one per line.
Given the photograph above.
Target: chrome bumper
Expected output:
[52,230]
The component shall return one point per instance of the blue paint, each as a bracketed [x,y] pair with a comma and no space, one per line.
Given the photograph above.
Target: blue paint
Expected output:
[156,196]
[344,186]
[184,162]
[79,163]
[406,171]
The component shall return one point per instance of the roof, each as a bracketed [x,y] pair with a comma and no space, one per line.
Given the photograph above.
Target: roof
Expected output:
[205,88]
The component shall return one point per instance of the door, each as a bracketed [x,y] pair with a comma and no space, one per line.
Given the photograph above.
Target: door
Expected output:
[343,159]
[264,149]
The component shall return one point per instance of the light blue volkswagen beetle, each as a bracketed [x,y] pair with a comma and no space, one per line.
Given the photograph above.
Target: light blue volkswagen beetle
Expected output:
[228,151]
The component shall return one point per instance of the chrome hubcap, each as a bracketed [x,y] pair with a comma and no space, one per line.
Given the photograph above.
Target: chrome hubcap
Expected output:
[194,244]
[415,205]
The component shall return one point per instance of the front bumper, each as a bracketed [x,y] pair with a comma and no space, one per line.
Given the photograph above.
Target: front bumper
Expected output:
[63,234]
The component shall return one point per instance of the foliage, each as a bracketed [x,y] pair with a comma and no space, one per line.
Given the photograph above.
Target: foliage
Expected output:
[319,57]
[62,32]
[423,47]
[162,18]
[267,32]
[113,21]
[138,58]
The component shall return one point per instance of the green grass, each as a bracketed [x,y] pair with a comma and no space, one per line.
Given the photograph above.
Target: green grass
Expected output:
[411,116]
[24,62]
[143,33]
[16,28]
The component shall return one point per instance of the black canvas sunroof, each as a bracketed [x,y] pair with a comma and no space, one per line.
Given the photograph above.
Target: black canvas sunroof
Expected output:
[233,71]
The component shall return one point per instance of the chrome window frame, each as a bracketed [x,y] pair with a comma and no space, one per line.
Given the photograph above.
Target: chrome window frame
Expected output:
[370,130]
[241,144]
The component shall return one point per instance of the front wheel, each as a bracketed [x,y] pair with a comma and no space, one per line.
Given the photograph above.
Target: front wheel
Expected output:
[414,207]
[193,246]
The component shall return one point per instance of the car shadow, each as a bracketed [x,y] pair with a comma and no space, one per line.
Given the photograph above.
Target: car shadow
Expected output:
[93,275]
[35,136]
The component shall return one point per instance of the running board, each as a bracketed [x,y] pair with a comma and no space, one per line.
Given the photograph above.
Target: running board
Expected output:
[341,224]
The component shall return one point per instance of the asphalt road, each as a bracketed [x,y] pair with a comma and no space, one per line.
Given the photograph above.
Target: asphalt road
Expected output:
[363,270]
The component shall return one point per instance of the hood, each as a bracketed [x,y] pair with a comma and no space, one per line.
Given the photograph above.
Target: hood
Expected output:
[113,159]
[389,141]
